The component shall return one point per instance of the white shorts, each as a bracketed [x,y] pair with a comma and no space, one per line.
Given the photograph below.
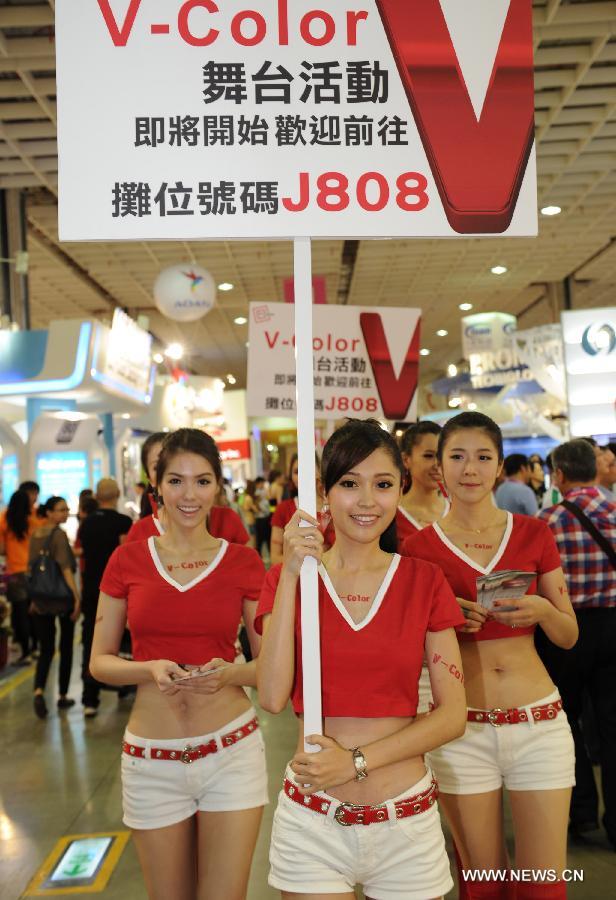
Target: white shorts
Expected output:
[424,688]
[529,756]
[158,793]
[397,859]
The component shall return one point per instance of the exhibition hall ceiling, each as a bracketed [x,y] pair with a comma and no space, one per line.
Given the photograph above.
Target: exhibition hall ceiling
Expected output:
[575,86]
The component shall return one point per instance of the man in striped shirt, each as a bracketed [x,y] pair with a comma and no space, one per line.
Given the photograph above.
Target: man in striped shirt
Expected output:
[591,665]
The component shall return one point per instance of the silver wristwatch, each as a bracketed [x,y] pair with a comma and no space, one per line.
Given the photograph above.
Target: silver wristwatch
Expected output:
[359,761]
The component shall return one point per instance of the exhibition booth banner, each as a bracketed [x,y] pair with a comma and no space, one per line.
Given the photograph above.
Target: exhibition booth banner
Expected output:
[590,357]
[368,118]
[365,361]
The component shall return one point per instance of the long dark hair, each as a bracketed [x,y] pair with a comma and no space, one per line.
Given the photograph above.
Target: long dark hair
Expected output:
[188,440]
[468,420]
[18,513]
[411,437]
[350,445]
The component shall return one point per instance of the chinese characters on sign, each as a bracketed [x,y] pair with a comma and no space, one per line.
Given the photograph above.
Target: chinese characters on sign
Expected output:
[364,362]
[287,120]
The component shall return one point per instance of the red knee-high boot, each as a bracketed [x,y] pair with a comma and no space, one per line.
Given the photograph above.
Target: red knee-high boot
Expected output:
[487,890]
[541,890]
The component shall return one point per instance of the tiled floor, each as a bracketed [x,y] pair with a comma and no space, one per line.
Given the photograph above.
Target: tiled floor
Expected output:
[61,776]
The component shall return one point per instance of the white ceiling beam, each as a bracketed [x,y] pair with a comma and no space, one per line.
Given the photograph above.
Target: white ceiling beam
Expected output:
[26,17]
[28,63]
[44,87]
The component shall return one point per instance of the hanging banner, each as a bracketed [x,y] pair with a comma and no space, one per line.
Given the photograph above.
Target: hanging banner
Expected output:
[192,119]
[365,362]
[589,338]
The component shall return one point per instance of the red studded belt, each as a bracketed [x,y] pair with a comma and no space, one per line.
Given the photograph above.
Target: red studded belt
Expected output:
[190,754]
[499,716]
[349,814]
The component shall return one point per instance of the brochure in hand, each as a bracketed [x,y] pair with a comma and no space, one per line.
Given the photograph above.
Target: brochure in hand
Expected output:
[508,584]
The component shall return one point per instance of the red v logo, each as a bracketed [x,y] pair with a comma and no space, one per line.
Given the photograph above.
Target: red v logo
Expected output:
[395,394]
[119,36]
[478,167]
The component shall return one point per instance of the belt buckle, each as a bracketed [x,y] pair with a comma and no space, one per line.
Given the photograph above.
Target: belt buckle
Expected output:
[185,756]
[492,714]
[339,814]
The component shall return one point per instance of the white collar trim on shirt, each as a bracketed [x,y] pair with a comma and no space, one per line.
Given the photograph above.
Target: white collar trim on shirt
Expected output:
[158,525]
[471,562]
[186,587]
[376,603]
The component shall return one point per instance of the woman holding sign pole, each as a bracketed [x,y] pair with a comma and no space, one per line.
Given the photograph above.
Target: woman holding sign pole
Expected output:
[363,809]
[193,767]
[517,734]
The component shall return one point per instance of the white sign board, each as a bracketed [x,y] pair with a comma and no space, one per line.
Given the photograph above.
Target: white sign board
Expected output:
[192,119]
[590,357]
[365,361]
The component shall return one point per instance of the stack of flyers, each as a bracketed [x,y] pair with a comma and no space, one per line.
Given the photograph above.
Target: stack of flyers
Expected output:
[508,584]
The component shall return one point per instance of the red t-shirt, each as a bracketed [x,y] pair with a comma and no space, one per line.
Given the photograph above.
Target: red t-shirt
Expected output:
[371,669]
[222,523]
[189,623]
[527,544]
[407,525]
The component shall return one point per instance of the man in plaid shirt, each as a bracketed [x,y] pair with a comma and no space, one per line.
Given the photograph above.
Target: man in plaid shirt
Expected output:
[590,665]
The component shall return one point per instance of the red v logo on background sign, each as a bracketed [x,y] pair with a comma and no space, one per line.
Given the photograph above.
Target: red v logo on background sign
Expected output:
[478,167]
[395,394]
[119,36]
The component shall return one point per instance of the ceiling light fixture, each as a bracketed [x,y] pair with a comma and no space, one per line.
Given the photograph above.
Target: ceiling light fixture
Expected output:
[424,352]
[226,286]
[241,320]
[231,379]
[551,211]
[499,270]
[158,358]
[452,370]
[465,307]
[174,351]
[442,332]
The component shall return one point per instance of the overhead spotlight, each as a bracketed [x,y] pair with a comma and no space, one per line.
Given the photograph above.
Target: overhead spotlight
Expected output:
[175,352]
[158,358]
[452,370]
[231,379]
[551,211]
[226,286]
[126,415]
[442,332]
[455,402]
[499,270]
[465,307]
[241,320]
[424,352]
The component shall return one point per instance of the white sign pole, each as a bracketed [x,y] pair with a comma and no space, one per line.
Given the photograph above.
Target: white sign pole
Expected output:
[311,661]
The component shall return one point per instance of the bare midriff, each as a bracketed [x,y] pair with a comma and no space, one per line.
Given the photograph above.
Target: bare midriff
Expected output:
[184,715]
[504,673]
[382,784]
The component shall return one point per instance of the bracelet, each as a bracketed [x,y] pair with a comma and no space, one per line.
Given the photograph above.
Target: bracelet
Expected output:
[361,766]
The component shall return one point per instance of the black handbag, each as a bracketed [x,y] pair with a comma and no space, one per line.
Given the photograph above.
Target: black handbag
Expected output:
[47,587]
